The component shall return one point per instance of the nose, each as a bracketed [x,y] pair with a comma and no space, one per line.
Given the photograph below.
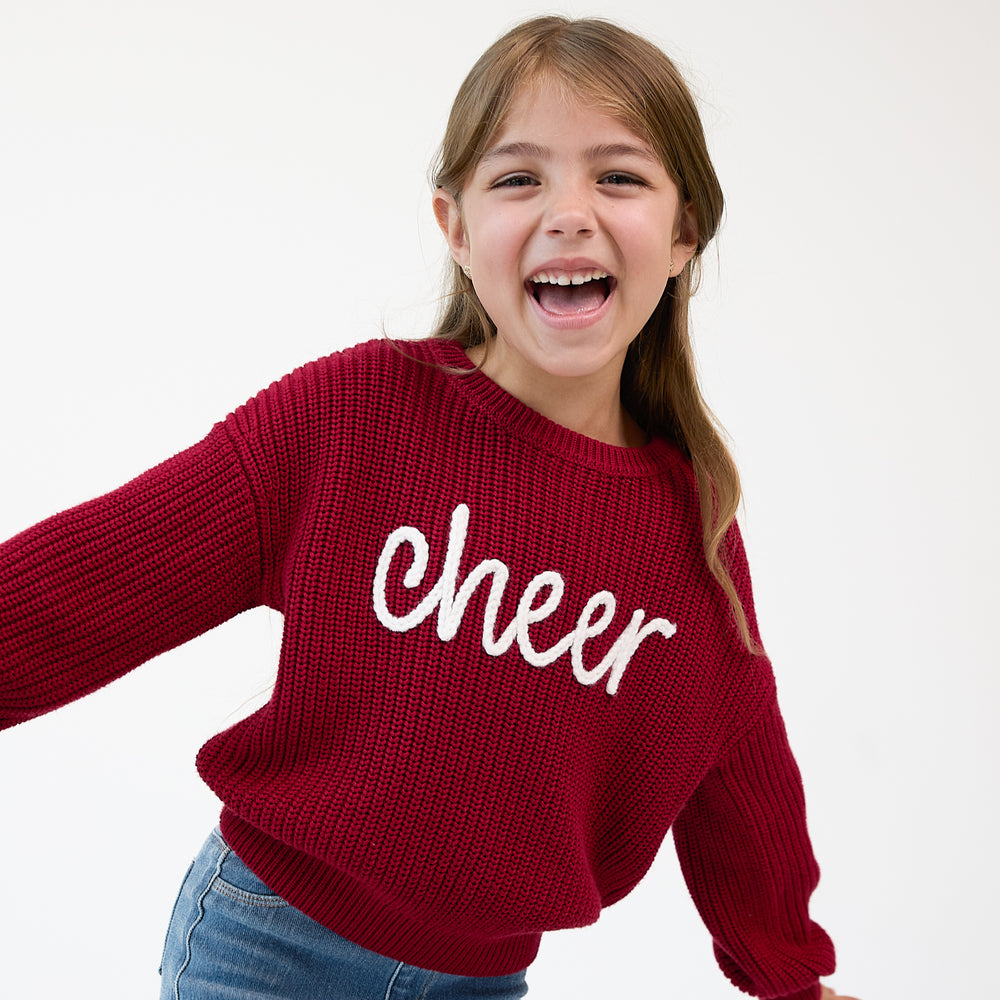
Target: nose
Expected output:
[570,213]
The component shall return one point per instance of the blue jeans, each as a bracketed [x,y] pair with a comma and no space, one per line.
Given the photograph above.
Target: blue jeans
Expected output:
[231,938]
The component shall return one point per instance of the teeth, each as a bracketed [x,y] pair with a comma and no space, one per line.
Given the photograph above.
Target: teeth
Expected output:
[579,278]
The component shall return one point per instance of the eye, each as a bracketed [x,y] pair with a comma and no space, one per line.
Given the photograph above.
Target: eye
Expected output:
[514,181]
[617,178]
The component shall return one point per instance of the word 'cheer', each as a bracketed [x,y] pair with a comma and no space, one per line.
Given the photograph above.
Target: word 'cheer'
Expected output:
[451,600]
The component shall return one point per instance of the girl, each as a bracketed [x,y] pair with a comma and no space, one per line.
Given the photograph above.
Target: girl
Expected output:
[519,641]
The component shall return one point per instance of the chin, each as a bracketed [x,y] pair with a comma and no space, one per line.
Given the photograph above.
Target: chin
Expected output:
[577,361]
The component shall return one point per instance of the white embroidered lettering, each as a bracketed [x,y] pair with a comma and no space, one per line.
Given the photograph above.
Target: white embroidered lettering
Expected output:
[618,657]
[585,630]
[452,599]
[453,604]
[526,614]
[413,577]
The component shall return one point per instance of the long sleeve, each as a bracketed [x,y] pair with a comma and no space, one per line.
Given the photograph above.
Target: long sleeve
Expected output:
[745,852]
[92,592]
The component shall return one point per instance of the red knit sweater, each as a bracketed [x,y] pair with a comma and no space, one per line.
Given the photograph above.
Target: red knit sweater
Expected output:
[505,673]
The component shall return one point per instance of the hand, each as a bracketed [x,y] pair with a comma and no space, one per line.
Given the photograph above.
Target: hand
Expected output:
[828,994]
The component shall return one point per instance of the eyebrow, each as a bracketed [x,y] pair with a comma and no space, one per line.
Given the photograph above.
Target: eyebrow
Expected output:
[600,152]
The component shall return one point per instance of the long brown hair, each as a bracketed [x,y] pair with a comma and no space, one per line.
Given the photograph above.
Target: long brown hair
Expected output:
[629,78]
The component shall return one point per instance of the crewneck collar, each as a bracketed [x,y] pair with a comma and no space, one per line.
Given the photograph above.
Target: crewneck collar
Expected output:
[531,426]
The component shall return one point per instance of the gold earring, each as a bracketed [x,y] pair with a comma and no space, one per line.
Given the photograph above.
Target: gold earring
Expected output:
[467,271]
[671,266]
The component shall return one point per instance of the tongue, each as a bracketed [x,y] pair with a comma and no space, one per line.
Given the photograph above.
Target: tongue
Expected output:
[565,300]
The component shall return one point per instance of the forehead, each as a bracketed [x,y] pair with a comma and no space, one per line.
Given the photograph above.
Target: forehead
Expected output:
[546,114]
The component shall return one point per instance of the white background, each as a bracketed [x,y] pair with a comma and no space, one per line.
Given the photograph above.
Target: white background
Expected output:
[198,195]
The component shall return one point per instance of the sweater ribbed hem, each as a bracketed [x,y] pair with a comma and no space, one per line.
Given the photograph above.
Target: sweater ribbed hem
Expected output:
[813,992]
[355,912]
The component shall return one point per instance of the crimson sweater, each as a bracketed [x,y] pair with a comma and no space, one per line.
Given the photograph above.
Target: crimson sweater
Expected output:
[505,672]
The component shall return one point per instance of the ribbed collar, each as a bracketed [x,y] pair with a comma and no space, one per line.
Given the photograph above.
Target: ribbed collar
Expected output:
[530,426]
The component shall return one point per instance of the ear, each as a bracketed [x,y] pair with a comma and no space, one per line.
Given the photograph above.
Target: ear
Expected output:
[685,244]
[449,218]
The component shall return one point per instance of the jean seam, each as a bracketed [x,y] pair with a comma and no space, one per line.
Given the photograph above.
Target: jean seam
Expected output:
[234,892]
[428,983]
[392,980]
[224,853]
[173,911]
[223,888]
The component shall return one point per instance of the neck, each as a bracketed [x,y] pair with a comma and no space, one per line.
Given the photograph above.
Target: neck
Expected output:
[590,405]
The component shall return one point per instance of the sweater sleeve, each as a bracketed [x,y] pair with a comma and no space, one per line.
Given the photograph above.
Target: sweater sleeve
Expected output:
[92,592]
[746,856]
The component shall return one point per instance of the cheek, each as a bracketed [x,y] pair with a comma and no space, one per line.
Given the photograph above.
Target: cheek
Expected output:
[501,239]
[642,236]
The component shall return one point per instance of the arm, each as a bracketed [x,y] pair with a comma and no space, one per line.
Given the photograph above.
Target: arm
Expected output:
[94,591]
[746,856]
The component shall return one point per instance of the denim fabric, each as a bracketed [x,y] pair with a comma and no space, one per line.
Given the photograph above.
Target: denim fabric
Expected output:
[231,938]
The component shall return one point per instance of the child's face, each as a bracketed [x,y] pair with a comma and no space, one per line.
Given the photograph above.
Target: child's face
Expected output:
[567,194]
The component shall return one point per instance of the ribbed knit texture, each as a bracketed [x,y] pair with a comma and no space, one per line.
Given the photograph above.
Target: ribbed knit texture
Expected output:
[432,787]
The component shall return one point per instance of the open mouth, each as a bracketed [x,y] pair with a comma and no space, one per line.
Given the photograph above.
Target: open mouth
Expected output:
[564,293]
